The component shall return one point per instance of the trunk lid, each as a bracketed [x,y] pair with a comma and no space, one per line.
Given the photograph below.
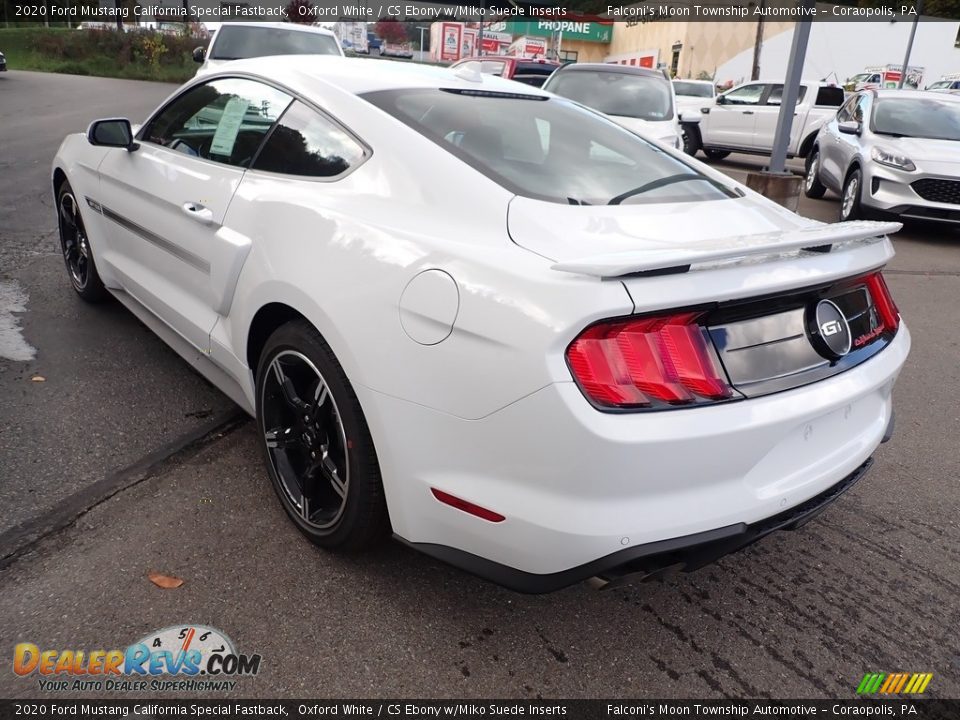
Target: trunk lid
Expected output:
[618,241]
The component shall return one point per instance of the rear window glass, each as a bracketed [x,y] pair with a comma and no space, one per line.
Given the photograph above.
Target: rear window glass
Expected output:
[233,43]
[549,149]
[830,96]
[614,93]
[692,89]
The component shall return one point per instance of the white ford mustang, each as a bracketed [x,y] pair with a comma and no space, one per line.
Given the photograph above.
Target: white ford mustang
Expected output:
[523,338]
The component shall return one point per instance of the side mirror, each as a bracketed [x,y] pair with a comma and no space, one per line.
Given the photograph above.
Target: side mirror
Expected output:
[113,132]
[849,127]
[721,99]
[199,54]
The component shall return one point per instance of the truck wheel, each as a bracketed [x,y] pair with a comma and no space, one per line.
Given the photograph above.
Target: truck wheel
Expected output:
[812,187]
[716,154]
[690,134]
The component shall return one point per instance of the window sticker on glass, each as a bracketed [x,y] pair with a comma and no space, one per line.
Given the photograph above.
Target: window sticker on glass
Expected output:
[226,135]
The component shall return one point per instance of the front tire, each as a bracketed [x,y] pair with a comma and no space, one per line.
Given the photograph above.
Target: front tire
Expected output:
[812,187]
[691,139]
[316,443]
[75,247]
[716,154]
[850,208]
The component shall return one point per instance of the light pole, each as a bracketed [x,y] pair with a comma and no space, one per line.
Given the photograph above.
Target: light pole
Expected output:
[421,42]
[913,33]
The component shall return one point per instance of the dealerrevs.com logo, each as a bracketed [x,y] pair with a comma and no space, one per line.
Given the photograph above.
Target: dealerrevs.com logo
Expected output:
[178,658]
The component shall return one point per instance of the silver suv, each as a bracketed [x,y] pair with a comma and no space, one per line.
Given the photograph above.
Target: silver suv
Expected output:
[891,153]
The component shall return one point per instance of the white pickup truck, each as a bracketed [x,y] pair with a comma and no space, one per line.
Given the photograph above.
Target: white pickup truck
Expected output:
[744,119]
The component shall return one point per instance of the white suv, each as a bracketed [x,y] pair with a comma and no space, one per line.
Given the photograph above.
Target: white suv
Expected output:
[233,41]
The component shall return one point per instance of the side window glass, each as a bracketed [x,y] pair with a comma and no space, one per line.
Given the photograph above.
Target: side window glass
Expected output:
[860,108]
[846,112]
[776,95]
[306,143]
[224,120]
[747,95]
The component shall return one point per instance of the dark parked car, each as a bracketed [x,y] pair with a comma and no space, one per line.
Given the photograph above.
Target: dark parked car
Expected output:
[3,62]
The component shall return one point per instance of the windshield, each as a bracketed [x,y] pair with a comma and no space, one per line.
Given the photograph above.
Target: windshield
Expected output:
[548,148]
[615,93]
[917,118]
[692,89]
[939,84]
[234,43]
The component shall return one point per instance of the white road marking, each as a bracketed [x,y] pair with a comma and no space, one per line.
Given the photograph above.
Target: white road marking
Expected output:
[13,346]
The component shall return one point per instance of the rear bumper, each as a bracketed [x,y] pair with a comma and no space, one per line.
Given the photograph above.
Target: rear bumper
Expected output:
[643,562]
[583,492]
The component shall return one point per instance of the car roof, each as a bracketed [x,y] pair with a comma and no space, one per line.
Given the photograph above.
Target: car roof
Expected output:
[362,75]
[614,68]
[913,94]
[296,27]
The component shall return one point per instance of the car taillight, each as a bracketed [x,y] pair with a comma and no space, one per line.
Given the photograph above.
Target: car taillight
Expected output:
[883,301]
[647,362]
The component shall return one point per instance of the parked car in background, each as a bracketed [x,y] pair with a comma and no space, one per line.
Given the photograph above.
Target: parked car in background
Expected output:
[947,82]
[3,62]
[528,71]
[241,40]
[744,119]
[641,100]
[399,271]
[692,96]
[891,153]
[396,50]
[374,44]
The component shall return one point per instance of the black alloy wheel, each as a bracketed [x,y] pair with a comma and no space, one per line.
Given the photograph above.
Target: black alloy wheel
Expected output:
[317,446]
[75,246]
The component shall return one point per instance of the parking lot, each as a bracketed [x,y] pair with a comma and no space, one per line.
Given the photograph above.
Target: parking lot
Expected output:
[167,478]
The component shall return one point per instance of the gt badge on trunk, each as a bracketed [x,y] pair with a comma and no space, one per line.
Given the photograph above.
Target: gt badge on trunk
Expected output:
[829,330]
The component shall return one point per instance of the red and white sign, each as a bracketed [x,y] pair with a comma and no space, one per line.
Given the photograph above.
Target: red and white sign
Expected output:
[468,46]
[451,36]
[528,47]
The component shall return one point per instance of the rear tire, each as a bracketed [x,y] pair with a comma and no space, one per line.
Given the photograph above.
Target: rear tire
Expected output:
[316,443]
[812,187]
[716,154]
[75,247]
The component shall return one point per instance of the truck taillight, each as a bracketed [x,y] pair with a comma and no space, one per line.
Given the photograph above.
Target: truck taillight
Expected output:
[647,362]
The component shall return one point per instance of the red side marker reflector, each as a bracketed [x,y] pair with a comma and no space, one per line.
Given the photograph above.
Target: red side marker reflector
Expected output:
[467,507]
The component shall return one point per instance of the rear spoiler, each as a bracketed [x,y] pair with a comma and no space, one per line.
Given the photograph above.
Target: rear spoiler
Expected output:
[679,259]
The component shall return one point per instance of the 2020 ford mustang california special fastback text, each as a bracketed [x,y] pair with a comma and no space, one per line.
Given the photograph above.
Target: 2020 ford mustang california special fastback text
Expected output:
[523,338]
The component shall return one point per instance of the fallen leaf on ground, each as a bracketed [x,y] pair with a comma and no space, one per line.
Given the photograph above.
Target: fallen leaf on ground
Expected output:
[167,582]
[38,378]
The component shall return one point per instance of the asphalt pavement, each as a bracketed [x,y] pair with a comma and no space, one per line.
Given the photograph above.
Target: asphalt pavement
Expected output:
[111,391]
[871,585]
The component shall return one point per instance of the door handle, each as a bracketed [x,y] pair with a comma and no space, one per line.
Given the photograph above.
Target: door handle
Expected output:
[748,112]
[198,211]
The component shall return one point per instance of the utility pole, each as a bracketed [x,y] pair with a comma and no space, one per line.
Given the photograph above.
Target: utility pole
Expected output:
[913,33]
[758,44]
[421,29]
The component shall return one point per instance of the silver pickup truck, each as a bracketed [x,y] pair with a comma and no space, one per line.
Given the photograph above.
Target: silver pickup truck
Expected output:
[744,119]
